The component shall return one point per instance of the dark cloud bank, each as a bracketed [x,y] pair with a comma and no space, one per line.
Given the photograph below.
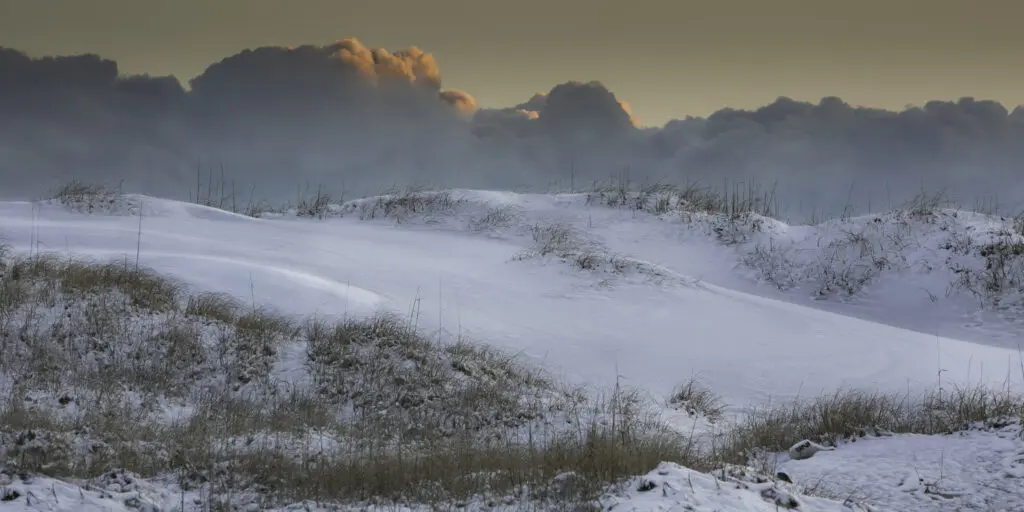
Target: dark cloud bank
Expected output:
[359,119]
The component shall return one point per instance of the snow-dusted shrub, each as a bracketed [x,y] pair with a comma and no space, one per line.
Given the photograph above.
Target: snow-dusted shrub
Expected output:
[405,204]
[774,264]
[315,206]
[989,265]
[559,240]
[90,198]
[499,217]
[737,228]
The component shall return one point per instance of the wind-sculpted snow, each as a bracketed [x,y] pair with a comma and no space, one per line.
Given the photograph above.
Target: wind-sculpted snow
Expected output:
[979,469]
[923,266]
[584,323]
[599,293]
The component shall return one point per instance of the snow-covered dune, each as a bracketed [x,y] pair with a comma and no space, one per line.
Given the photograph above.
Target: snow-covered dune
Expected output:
[602,294]
[749,348]
[935,270]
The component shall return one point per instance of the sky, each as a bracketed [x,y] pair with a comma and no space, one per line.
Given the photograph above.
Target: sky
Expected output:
[667,59]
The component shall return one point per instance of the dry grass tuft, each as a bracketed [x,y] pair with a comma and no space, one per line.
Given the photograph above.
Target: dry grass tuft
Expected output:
[697,399]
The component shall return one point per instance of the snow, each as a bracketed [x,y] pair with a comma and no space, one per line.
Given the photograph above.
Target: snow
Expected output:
[972,470]
[675,302]
[667,488]
[917,288]
[671,487]
[37,493]
[591,328]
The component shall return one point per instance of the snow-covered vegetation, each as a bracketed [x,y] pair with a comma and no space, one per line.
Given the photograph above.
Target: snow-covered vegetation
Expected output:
[628,349]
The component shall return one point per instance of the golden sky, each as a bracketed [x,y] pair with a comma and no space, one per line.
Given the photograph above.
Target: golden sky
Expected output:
[667,58]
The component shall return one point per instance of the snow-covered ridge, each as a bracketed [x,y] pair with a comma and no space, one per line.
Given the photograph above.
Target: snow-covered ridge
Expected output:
[664,237]
[920,261]
[475,264]
[963,252]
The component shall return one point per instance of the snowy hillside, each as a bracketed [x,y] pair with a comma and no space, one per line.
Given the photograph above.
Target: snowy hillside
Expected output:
[390,319]
[924,266]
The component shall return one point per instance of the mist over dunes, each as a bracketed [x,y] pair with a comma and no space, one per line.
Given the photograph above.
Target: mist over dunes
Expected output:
[357,119]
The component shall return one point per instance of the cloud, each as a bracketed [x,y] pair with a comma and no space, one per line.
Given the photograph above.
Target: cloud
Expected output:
[344,82]
[411,65]
[19,72]
[572,109]
[575,107]
[535,103]
[358,118]
[462,101]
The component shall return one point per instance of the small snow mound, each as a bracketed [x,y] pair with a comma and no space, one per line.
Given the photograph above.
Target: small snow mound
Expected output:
[806,449]
[970,470]
[671,487]
[113,491]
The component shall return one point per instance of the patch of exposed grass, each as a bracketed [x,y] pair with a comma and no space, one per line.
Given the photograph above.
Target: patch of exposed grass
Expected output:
[851,414]
[217,307]
[417,390]
[145,288]
[503,472]
[225,447]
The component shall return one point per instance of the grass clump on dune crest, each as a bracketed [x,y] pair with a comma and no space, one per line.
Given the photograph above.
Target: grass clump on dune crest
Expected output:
[741,199]
[400,205]
[87,196]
